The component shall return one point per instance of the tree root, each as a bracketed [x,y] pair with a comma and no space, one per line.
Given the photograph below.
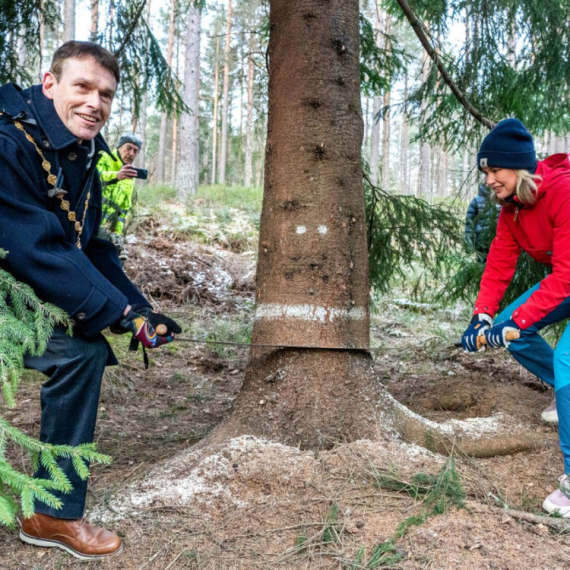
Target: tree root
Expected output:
[476,437]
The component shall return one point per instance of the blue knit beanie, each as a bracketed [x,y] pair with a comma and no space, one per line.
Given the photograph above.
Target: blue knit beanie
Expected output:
[508,145]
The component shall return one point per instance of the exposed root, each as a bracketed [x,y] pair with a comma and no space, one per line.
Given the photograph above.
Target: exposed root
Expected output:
[477,437]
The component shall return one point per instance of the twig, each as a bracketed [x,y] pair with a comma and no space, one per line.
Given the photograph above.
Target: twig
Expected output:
[174,561]
[153,557]
[555,523]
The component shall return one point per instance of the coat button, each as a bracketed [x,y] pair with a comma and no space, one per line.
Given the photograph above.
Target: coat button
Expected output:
[72,156]
[45,143]
[81,316]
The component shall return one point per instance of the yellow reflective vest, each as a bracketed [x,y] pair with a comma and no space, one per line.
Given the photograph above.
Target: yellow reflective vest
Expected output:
[117,194]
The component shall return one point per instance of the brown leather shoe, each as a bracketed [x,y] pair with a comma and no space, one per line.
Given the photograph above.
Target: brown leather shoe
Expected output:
[77,537]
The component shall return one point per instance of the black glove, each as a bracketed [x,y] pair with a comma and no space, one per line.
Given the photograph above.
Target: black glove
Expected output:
[157,319]
[479,324]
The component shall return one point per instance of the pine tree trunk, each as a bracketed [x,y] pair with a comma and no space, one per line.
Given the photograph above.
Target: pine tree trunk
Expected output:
[312,275]
[187,176]
[94,26]
[404,144]
[386,120]
[225,96]
[160,169]
[215,113]
[248,166]
[142,157]
[424,178]
[68,20]
[375,139]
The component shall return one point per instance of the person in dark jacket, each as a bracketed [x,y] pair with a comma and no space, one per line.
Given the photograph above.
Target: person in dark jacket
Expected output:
[481,216]
[535,217]
[50,212]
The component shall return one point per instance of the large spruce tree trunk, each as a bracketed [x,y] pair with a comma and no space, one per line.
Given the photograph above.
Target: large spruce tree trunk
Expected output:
[312,275]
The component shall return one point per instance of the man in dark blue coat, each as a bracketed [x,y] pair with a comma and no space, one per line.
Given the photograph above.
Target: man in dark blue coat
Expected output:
[50,211]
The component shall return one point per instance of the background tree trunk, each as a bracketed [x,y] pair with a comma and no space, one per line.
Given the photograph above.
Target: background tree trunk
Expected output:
[248,167]
[225,97]
[215,113]
[424,178]
[187,175]
[94,26]
[404,144]
[68,20]
[312,275]
[161,158]
[386,120]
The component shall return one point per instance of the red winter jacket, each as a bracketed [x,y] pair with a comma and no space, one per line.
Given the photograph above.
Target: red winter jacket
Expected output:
[543,231]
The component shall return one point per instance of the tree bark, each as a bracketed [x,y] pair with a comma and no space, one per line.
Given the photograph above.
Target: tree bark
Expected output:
[215,113]
[404,143]
[94,26]
[424,178]
[248,166]
[69,20]
[386,119]
[375,139]
[161,159]
[226,88]
[187,176]
[312,275]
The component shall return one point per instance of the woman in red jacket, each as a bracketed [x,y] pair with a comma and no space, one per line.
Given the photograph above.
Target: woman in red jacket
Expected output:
[535,217]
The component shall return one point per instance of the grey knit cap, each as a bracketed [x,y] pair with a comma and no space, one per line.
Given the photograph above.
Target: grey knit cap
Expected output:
[130,138]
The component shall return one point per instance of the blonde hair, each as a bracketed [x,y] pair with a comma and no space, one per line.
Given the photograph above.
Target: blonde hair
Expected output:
[526,188]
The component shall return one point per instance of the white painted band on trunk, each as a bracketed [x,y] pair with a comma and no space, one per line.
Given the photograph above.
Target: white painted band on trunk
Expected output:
[315,313]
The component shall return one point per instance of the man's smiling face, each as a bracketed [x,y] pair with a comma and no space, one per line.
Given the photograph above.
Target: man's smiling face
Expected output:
[83,95]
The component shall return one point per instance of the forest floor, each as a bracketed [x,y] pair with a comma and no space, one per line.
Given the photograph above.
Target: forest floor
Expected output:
[260,505]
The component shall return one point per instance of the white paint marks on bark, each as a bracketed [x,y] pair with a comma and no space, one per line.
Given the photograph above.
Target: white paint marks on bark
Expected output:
[315,313]
[323,230]
[301,230]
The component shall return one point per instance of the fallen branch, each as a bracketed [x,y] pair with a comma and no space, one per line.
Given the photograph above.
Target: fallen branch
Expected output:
[559,524]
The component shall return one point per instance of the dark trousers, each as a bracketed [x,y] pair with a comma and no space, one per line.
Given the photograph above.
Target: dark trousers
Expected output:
[69,401]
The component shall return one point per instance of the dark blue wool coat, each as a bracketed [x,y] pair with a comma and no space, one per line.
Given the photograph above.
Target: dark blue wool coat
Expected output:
[87,283]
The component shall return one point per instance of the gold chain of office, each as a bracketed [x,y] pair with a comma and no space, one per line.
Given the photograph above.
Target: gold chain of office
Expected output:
[51,178]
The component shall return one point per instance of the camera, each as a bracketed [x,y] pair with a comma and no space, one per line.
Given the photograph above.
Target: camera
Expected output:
[141,173]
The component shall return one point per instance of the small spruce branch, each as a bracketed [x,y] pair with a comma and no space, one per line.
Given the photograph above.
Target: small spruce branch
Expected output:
[418,28]
[26,325]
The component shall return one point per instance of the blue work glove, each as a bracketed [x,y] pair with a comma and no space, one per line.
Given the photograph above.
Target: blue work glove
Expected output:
[479,324]
[497,335]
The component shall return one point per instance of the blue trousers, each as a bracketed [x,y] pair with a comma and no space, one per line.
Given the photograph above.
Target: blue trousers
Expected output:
[550,365]
[69,402]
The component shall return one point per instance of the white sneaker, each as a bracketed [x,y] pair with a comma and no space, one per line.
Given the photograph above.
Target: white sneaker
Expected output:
[550,415]
[559,501]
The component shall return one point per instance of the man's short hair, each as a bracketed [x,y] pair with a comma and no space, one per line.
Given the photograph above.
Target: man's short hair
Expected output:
[80,50]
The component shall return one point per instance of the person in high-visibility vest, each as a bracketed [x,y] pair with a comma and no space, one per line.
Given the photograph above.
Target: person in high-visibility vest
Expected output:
[118,179]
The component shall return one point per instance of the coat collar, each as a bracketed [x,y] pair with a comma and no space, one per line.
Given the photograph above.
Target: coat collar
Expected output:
[31,106]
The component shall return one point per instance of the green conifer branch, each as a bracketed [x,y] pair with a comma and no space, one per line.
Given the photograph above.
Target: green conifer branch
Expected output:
[26,325]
